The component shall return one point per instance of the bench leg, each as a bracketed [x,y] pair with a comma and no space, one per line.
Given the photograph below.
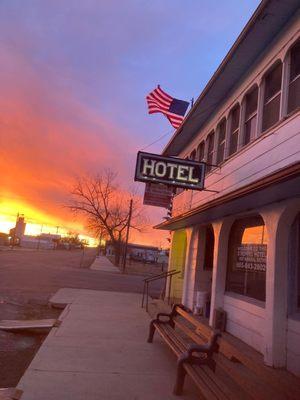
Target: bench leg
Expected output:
[181,373]
[151,332]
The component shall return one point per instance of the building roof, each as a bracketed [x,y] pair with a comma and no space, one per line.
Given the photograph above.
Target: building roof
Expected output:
[266,22]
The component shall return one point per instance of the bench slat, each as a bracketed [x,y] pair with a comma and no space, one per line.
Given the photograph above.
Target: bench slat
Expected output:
[164,334]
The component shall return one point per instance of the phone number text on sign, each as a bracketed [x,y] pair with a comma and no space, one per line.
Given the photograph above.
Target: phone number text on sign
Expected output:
[252,257]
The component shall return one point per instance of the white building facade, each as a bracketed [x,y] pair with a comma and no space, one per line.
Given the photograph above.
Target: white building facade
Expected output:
[239,240]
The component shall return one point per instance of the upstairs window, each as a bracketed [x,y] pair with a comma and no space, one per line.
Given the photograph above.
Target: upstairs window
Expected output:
[294,82]
[272,97]
[201,151]
[250,116]
[234,129]
[210,150]
[193,155]
[221,141]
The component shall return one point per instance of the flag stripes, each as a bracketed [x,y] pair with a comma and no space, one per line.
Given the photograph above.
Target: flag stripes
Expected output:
[160,102]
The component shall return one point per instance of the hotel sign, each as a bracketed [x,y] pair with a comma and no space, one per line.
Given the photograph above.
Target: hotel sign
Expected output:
[186,174]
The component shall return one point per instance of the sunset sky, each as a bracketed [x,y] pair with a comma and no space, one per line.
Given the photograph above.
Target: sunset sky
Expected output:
[74,76]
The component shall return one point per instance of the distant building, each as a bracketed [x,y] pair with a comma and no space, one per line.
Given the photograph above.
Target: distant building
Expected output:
[135,251]
[18,231]
[50,237]
[45,241]
[20,226]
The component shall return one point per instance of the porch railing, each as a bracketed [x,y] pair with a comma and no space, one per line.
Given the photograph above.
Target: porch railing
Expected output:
[163,275]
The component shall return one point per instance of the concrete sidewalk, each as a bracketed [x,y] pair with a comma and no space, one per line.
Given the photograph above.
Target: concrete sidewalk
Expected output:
[100,352]
[103,264]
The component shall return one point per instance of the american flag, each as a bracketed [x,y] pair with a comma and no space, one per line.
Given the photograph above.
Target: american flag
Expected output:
[160,102]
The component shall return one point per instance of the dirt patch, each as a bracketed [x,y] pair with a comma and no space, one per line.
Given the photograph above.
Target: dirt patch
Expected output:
[18,349]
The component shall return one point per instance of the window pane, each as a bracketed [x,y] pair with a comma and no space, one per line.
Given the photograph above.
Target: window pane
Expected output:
[251,103]
[250,129]
[273,82]
[201,151]
[211,142]
[222,131]
[247,253]
[210,153]
[221,141]
[294,95]
[271,113]
[221,150]
[233,142]
[295,61]
[235,118]
[193,155]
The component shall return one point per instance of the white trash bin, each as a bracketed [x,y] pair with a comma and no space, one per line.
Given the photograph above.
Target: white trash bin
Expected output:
[201,299]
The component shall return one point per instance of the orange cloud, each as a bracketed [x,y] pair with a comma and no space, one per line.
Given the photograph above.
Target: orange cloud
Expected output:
[47,139]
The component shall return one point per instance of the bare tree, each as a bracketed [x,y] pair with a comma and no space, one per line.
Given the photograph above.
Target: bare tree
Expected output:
[106,207]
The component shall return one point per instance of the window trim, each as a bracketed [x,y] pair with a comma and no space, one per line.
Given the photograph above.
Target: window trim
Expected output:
[278,93]
[223,120]
[208,153]
[251,116]
[231,133]
[287,81]
[202,143]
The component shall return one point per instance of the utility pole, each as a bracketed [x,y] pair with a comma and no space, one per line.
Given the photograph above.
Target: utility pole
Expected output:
[100,240]
[127,235]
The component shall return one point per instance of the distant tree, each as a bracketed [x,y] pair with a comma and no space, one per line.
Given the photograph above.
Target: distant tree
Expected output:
[106,208]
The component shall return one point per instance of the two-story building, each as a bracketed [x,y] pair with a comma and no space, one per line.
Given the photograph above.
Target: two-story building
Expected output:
[239,239]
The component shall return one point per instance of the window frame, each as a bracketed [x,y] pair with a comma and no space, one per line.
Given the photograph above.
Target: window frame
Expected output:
[210,152]
[273,97]
[200,146]
[223,142]
[289,81]
[251,115]
[236,130]
[193,155]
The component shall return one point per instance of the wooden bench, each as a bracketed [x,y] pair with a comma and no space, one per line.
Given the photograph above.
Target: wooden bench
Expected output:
[193,358]
[221,366]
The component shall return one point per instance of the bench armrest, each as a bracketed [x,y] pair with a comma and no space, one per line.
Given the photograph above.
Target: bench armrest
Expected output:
[170,315]
[161,314]
[207,348]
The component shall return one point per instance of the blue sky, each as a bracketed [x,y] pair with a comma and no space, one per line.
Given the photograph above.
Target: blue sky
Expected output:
[74,76]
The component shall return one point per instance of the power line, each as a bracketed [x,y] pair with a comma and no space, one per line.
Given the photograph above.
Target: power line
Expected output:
[157,140]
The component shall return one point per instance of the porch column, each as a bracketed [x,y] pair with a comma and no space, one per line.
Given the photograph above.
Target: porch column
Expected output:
[221,231]
[278,220]
[190,267]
